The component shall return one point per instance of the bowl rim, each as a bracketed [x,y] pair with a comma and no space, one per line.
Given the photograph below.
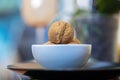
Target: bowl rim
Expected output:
[62,45]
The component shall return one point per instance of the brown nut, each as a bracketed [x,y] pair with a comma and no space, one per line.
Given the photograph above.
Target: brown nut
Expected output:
[48,43]
[74,41]
[60,32]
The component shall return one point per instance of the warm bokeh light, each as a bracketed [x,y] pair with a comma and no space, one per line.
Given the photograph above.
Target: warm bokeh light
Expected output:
[118,41]
[36,3]
[34,12]
[119,32]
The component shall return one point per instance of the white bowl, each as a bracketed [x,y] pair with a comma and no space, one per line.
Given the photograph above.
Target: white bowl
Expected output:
[61,56]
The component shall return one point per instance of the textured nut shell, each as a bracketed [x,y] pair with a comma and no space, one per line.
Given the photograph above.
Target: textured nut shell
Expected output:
[48,43]
[74,41]
[60,33]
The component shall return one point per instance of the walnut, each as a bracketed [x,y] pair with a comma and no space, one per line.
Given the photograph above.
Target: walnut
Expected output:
[48,43]
[74,41]
[61,32]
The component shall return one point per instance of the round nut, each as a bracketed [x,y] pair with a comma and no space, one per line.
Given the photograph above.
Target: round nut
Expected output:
[48,43]
[60,32]
[74,41]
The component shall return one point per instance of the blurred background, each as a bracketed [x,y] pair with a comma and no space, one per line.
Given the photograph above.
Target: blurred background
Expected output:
[26,22]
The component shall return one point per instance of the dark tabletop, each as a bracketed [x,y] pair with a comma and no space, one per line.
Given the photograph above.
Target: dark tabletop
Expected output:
[93,70]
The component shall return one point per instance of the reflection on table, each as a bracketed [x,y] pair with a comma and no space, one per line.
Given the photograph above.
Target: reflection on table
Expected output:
[6,74]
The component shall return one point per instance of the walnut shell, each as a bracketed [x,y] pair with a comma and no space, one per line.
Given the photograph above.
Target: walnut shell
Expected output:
[61,32]
[48,43]
[74,41]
